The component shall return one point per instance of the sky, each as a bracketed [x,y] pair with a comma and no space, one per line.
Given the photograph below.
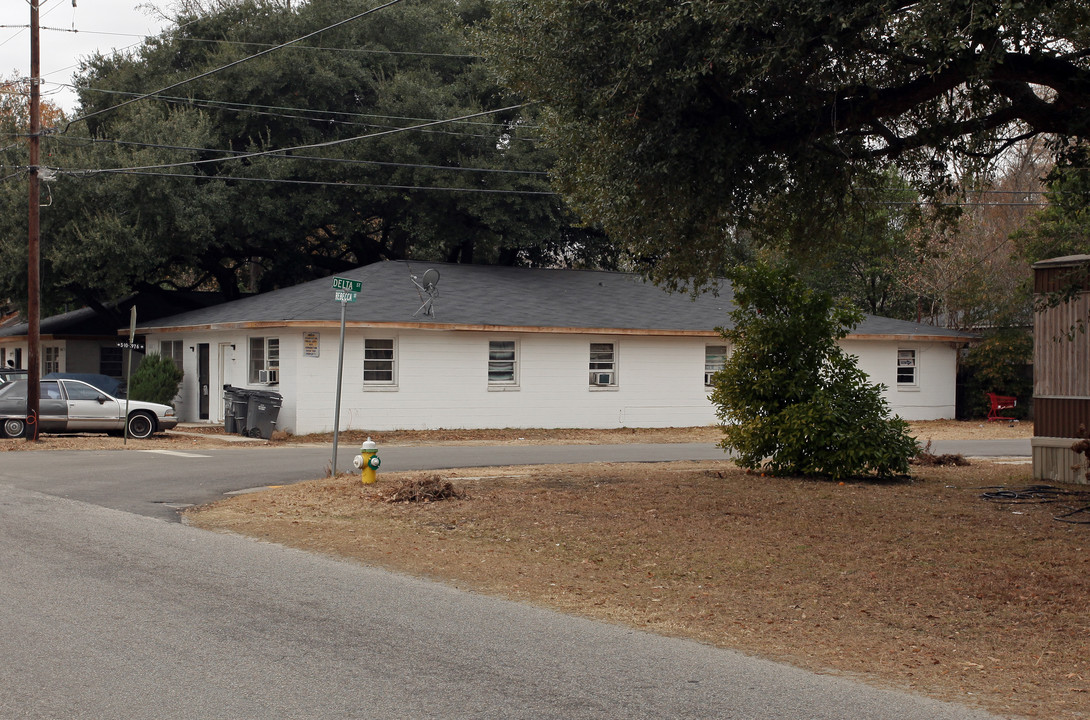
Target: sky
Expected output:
[101,25]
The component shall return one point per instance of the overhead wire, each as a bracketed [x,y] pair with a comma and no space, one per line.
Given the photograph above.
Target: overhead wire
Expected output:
[234,105]
[332,183]
[349,161]
[219,41]
[253,109]
[309,146]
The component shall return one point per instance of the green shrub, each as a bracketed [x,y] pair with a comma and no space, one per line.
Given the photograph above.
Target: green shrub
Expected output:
[156,380]
[998,364]
[790,400]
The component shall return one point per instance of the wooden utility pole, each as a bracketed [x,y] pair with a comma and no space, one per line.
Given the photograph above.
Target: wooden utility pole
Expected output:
[34,289]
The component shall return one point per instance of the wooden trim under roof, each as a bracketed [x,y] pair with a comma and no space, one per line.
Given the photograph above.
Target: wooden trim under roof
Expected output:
[462,327]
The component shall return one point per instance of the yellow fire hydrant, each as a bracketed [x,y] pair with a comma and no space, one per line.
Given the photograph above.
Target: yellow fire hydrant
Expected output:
[367,462]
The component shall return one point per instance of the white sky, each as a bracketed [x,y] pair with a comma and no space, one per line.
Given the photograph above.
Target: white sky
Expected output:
[100,24]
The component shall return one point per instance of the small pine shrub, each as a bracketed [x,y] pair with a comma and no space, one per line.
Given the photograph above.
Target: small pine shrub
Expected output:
[156,380]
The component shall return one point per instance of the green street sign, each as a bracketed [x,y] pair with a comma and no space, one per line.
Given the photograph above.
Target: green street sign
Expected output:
[344,296]
[354,286]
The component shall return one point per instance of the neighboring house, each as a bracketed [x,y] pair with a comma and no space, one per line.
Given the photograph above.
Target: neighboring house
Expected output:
[87,341]
[506,347]
[1061,383]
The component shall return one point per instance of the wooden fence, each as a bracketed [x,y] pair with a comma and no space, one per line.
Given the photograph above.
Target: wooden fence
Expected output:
[1061,359]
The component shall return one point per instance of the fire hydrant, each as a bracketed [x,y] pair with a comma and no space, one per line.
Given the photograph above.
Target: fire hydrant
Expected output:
[367,462]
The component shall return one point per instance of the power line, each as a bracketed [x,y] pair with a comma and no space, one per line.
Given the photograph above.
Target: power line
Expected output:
[265,110]
[326,183]
[349,161]
[234,63]
[328,143]
[215,41]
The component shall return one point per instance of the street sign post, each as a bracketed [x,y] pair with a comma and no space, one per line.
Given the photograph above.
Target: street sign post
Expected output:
[345,291]
[131,343]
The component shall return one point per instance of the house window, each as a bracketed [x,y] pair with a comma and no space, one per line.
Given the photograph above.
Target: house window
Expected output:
[502,362]
[906,368]
[379,361]
[603,365]
[715,357]
[172,349]
[264,360]
[51,359]
[110,361]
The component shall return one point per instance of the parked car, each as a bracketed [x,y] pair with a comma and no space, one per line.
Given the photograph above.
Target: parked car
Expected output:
[11,374]
[74,406]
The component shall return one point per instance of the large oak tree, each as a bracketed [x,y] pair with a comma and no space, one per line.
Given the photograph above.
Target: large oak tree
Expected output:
[198,185]
[685,127]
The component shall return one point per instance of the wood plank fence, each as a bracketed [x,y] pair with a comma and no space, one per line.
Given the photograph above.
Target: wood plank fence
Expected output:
[1061,359]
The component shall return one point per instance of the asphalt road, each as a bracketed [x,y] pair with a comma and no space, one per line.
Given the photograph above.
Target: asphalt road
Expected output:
[109,614]
[157,483]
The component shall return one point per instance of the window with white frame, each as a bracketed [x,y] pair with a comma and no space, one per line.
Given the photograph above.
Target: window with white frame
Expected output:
[264,360]
[51,359]
[502,362]
[907,368]
[172,350]
[603,365]
[715,357]
[379,361]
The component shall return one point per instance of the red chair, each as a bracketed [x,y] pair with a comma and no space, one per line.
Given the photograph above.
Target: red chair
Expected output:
[1000,402]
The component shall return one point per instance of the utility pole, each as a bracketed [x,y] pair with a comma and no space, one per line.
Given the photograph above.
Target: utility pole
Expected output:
[34,289]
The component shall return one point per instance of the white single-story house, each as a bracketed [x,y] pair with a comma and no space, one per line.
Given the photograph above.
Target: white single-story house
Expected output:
[502,347]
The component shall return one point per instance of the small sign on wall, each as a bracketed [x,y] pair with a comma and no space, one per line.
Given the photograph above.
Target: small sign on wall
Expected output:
[312,346]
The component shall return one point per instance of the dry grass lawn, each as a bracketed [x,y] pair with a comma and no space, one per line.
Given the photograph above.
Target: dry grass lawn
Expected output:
[919,584]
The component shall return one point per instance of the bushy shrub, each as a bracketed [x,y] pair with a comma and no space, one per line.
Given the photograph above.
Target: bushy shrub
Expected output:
[998,364]
[790,400]
[156,380]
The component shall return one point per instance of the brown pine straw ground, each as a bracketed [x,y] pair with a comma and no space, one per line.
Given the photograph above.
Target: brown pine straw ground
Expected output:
[917,584]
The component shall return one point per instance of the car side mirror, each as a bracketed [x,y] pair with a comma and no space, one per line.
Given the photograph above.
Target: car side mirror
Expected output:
[101,399]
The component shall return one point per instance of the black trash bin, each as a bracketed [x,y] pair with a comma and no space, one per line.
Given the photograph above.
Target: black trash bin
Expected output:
[230,397]
[235,409]
[240,409]
[263,407]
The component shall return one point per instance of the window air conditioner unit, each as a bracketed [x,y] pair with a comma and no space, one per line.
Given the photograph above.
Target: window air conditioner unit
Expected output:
[268,377]
[601,378]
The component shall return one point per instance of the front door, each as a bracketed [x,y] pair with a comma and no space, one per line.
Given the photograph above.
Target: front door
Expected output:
[227,373]
[202,381]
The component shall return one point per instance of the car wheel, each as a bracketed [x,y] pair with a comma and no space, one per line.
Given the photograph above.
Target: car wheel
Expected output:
[13,427]
[141,425]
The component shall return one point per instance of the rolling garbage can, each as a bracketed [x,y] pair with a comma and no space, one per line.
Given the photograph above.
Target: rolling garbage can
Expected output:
[234,409]
[263,407]
[240,409]
[230,397]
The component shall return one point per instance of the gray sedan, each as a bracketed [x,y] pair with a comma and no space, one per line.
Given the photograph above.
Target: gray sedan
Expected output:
[74,406]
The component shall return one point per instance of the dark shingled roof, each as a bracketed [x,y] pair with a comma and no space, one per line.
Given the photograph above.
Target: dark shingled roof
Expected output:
[85,322]
[486,295]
